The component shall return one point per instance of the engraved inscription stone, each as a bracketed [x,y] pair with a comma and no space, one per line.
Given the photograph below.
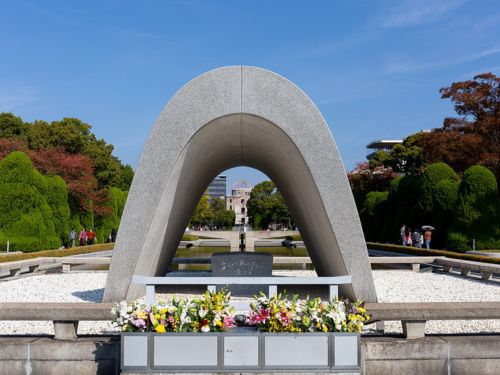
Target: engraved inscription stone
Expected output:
[243,264]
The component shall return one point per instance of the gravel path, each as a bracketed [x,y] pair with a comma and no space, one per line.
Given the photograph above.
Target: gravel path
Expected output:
[392,286]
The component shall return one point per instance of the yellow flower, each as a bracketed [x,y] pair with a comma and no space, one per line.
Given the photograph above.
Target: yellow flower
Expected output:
[141,314]
[325,328]
[160,328]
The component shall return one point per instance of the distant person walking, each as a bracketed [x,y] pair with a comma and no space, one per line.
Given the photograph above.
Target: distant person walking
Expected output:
[402,234]
[72,238]
[417,238]
[90,236]
[83,237]
[407,237]
[427,237]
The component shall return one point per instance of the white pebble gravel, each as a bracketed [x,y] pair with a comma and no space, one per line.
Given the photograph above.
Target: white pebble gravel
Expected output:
[392,286]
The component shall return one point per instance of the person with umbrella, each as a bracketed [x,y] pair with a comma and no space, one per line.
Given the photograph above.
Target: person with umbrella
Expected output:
[427,235]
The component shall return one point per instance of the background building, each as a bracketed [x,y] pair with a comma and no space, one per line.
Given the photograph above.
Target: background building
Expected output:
[217,188]
[237,201]
[381,145]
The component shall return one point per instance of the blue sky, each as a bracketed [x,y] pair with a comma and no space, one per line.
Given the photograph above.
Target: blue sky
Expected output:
[374,68]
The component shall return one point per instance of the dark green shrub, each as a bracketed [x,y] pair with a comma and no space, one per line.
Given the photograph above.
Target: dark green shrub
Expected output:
[458,242]
[433,175]
[477,197]
[373,213]
[57,198]
[104,224]
[488,244]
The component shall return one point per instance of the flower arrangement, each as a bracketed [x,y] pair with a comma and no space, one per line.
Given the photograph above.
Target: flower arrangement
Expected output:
[278,314]
[210,313]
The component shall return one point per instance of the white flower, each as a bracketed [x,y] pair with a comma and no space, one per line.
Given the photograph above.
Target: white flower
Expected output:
[202,313]
[205,328]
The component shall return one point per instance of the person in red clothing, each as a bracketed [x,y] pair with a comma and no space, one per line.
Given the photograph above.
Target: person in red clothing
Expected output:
[90,236]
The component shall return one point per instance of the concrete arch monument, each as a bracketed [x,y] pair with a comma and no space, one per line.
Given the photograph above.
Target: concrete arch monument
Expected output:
[229,117]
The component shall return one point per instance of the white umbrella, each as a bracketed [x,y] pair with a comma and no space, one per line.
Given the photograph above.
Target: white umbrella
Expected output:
[428,227]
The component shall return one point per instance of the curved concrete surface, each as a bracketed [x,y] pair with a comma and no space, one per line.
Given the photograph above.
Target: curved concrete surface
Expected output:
[230,117]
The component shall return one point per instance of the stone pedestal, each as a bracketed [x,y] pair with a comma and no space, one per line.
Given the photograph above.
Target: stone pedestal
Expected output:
[242,264]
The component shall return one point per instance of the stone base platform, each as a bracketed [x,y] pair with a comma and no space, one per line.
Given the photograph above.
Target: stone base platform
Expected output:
[454,354]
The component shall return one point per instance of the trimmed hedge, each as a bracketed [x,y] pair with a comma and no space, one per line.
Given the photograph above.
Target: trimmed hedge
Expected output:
[26,219]
[57,253]
[189,237]
[425,252]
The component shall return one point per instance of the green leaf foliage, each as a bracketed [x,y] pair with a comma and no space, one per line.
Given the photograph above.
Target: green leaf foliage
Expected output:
[476,203]
[27,218]
[374,209]
[57,198]
[11,126]
[107,223]
[267,206]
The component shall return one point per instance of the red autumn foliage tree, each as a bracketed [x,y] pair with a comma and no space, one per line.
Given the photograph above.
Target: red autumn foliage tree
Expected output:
[473,137]
[8,145]
[75,169]
[365,178]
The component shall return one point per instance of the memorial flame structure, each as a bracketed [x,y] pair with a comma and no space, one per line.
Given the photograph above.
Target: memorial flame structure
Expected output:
[239,116]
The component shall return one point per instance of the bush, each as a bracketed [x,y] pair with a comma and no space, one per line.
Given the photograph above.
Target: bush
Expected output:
[423,252]
[477,195]
[433,175]
[56,253]
[458,242]
[373,213]
[106,223]
[57,198]
[189,237]
[488,244]
[26,219]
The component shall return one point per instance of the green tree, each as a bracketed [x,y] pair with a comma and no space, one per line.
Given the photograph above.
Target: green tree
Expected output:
[57,198]
[11,126]
[407,157]
[373,214]
[105,224]
[75,137]
[476,203]
[267,206]
[26,219]
[202,214]
[221,217]
[126,177]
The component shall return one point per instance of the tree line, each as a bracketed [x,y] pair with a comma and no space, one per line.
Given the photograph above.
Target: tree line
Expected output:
[57,176]
[447,178]
[212,213]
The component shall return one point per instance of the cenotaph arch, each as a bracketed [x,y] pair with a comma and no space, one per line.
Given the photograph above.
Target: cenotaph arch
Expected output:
[239,116]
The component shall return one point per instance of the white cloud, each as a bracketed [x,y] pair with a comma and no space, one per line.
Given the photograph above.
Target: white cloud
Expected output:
[11,100]
[417,12]
[411,66]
